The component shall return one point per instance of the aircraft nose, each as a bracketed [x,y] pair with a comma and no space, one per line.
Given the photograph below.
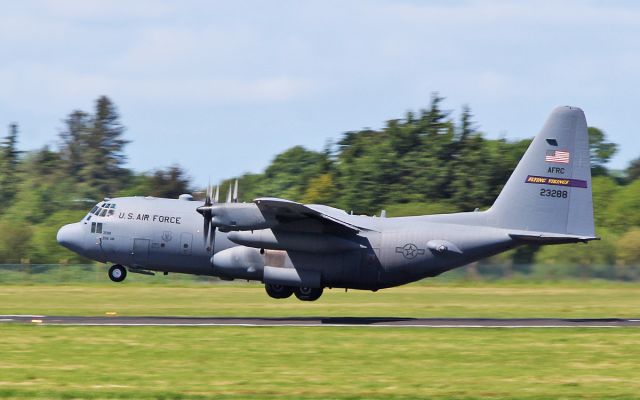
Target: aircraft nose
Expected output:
[70,236]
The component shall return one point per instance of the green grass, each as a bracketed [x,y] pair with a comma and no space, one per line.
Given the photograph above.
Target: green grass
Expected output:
[226,362]
[57,362]
[568,300]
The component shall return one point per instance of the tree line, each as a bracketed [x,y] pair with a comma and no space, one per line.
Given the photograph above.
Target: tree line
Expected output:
[429,161]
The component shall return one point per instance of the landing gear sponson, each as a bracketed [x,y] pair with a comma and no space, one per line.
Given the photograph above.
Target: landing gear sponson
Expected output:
[117,273]
[302,293]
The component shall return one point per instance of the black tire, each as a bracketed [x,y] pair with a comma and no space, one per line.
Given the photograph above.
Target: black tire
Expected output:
[308,294]
[117,273]
[278,291]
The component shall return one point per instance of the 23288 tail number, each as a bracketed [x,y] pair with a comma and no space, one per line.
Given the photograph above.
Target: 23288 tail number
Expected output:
[554,193]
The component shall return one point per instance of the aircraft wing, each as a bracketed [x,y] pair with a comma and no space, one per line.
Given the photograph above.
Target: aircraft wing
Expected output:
[287,211]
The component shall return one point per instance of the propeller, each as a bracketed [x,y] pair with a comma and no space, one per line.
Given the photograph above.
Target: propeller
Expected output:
[209,231]
[206,210]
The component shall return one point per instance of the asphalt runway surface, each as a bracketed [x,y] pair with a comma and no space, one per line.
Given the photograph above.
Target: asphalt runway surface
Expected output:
[115,320]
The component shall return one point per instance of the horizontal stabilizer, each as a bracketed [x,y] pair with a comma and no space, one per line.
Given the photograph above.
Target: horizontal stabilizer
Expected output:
[550,238]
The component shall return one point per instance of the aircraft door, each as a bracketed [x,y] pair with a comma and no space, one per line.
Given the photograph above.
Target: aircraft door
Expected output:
[140,251]
[370,267]
[186,240]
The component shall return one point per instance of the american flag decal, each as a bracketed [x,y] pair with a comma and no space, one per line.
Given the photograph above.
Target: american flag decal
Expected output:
[557,156]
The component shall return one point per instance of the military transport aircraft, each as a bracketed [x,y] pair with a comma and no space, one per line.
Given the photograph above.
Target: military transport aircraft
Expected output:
[301,249]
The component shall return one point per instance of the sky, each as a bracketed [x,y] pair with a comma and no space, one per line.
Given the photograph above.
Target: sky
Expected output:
[220,88]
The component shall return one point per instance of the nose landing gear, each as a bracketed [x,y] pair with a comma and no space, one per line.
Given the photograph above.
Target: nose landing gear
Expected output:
[117,273]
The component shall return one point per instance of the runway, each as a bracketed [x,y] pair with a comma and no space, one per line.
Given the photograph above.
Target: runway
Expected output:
[390,322]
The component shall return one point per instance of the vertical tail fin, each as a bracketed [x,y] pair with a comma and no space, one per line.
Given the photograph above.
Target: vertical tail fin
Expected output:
[550,189]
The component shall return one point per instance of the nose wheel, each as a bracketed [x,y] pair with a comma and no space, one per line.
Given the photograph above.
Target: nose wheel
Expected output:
[117,273]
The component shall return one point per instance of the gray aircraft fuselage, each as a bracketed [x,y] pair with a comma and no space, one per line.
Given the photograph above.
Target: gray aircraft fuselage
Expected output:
[301,249]
[165,235]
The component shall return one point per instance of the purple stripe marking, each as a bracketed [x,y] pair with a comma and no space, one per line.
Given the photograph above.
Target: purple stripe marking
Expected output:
[547,180]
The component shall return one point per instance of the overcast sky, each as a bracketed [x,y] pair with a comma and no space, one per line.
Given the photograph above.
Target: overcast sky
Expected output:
[222,87]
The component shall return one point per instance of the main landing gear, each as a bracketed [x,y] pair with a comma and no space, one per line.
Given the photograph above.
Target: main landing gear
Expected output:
[302,293]
[117,273]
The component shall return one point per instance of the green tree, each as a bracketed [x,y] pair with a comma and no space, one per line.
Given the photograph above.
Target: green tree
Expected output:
[604,190]
[633,171]
[321,190]
[594,259]
[430,162]
[601,150]
[622,211]
[471,173]
[74,142]
[9,161]
[103,156]
[290,172]
[629,247]
[14,241]
[44,249]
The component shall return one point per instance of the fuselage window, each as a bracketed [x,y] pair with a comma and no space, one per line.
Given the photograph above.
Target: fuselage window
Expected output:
[93,227]
[99,227]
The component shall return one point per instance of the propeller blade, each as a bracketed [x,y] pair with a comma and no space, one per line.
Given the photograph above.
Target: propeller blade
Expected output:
[212,237]
[207,196]
[217,196]
[229,193]
[235,192]
[205,229]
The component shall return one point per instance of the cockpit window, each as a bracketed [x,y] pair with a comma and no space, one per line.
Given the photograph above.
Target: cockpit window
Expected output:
[103,209]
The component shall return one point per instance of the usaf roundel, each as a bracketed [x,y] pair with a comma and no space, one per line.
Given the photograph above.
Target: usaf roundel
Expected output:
[410,251]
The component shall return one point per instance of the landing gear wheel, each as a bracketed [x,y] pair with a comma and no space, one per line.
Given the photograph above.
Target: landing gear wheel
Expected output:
[117,273]
[307,293]
[278,291]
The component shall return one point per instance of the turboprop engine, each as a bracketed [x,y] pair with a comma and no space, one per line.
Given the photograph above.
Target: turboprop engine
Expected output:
[293,241]
[231,216]
[238,217]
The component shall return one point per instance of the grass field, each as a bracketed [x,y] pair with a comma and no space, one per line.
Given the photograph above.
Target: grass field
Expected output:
[562,300]
[321,362]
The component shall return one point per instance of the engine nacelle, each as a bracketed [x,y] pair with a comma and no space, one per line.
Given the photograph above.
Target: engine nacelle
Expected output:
[239,217]
[293,241]
[239,263]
